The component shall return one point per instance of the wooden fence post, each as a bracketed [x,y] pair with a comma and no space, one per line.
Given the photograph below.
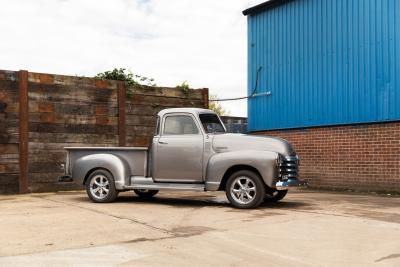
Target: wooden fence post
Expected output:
[23,131]
[121,114]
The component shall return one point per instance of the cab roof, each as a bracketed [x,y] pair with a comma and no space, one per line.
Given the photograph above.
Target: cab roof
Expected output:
[194,111]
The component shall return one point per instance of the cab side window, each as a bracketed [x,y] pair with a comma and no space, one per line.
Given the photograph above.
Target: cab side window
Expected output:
[180,125]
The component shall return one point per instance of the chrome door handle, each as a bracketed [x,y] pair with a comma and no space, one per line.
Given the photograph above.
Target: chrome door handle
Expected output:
[163,143]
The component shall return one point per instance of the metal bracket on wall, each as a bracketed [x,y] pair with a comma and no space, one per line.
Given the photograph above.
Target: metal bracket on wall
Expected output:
[268,93]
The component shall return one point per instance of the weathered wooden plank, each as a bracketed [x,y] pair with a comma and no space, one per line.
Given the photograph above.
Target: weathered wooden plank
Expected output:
[165,101]
[9,159]
[77,81]
[72,128]
[45,167]
[8,75]
[132,120]
[11,168]
[9,136]
[141,141]
[9,85]
[60,93]
[57,147]
[9,117]
[44,177]
[142,110]
[11,107]
[9,149]
[140,130]
[79,108]
[8,179]
[73,138]
[71,119]
[168,92]
[54,156]
[8,95]
[111,109]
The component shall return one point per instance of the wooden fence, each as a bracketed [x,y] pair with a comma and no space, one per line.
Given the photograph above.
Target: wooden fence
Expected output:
[42,113]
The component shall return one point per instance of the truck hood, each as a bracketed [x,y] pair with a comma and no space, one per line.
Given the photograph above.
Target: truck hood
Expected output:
[235,142]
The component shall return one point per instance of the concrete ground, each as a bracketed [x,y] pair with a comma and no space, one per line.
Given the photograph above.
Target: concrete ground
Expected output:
[199,229]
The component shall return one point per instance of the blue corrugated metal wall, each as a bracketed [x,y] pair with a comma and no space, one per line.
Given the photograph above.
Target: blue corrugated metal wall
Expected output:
[326,62]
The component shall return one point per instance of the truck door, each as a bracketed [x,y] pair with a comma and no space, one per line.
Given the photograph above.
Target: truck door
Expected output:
[179,153]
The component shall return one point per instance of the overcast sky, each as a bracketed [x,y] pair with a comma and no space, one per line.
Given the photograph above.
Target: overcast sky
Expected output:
[202,42]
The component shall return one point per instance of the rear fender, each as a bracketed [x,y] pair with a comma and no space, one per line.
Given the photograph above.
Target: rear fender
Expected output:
[115,165]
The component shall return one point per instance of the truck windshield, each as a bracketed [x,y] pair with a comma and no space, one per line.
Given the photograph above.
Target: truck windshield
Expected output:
[211,123]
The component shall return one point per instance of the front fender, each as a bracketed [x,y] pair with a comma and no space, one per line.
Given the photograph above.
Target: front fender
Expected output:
[117,166]
[263,161]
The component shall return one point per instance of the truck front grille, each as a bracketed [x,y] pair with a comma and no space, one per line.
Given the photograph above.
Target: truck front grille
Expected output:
[289,168]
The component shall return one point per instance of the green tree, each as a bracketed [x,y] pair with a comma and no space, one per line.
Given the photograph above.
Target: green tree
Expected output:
[216,106]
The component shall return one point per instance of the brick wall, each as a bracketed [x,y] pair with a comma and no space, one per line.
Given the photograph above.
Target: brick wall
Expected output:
[361,157]
[74,111]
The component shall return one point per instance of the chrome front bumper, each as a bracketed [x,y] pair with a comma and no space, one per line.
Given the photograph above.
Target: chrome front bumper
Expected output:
[290,183]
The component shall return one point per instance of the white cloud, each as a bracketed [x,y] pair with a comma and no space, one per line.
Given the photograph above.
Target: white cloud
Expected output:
[202,42]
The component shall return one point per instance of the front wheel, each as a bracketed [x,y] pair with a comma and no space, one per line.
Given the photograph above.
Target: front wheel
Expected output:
[145,193]
[100,187]
[245,189]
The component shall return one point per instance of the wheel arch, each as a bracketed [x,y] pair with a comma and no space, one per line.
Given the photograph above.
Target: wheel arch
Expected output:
[236,168]
[92,171]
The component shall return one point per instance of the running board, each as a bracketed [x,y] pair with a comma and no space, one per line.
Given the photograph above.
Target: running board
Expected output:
[139,182]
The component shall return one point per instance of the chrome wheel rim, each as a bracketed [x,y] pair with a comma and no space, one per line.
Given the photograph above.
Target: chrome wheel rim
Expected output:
[243,190]
[99,186]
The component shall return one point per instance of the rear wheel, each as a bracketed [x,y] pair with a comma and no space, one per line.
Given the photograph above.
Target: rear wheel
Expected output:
[275,195]
[145,193]
[100,187]
[245,189]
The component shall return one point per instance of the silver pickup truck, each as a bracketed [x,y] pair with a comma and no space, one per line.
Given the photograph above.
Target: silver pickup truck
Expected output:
[190,151]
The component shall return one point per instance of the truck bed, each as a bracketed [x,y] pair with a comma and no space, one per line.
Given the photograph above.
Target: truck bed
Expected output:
[135,157]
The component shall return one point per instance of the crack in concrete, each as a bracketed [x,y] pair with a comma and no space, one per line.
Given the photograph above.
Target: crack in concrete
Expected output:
[180,232]
[165,231]
[391,256]
[177,232]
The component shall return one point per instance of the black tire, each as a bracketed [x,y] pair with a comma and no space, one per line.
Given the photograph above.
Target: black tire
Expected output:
[235,183]
[275,196]
[145,193]
[107,183]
